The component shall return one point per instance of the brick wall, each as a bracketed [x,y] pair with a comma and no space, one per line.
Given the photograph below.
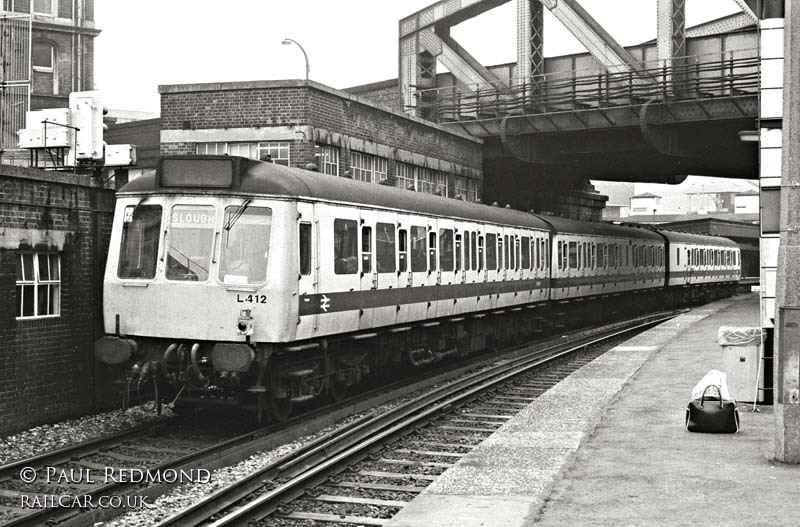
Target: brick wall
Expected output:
[234,108]
[48,369]
[364,121]
[264,104]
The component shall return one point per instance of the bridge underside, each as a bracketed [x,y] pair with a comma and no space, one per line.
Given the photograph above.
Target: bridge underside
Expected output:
[533,171]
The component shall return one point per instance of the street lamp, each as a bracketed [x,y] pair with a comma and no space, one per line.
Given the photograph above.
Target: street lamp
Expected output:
[288,42]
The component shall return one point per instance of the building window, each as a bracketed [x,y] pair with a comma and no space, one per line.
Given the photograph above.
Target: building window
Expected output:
[361,166]
[42,57]
[472,194]
[277,150]
[329,158]
[243,149]
[212,149]
[381,166]
[45,81]
[38,285]
[425,180]
[406,176]
[440,184]
[43,7]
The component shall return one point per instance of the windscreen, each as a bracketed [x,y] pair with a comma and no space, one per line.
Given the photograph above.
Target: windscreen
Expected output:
[190,239]
[141,227]
[245,245]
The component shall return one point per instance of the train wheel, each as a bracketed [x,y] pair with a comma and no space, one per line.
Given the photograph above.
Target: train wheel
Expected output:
[337,390]
[278,409]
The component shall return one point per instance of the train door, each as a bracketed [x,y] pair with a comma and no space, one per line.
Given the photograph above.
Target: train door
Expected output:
[368,274]
[483,296]
[413,304]
[433,277]
[384,311]
[308,271]
[494,271]
[448,279]
[470,276]
[339,299]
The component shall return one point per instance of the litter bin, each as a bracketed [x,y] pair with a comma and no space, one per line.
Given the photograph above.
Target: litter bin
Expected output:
[741,351]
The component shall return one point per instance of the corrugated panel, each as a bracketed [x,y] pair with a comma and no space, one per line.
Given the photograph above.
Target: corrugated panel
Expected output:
[15,39]
[14,101]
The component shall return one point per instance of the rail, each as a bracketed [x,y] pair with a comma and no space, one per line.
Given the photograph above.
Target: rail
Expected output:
[689,78]
[329,454]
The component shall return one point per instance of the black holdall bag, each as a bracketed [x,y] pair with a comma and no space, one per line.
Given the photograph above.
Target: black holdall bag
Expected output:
[712,415]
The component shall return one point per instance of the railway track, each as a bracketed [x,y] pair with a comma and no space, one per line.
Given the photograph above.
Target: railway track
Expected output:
[355,476]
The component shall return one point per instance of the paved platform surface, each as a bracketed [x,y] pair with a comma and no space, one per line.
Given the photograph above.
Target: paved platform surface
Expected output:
[607,446]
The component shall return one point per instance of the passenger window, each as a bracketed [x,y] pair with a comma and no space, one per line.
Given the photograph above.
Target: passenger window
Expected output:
[505,254]
[432,252]
[560,252]
[677,256]
[458,252]
[474,254]
[491,252]
[467,265]
[419,249]
[517,248]
[402,240]
[345,246]
[446,249]
[573,255]
[480,253]
[385,247]
[526,252]
[366,249]
[499,252]
[305,248]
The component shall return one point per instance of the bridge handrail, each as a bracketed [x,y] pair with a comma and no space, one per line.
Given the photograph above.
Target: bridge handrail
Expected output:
[729,74]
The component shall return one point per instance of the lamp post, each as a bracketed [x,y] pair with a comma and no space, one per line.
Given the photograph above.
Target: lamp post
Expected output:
[288,42]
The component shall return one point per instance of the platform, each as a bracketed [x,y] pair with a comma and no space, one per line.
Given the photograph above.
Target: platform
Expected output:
[607,446]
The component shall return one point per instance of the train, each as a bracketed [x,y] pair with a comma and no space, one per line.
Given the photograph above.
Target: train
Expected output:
[236,281]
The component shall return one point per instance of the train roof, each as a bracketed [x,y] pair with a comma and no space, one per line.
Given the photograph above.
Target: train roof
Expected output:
[257,177]
[596,228]
[697,239]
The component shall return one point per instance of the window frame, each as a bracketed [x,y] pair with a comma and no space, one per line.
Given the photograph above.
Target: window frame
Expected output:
[37,282]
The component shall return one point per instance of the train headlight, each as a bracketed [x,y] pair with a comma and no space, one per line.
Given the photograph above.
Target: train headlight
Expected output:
[245,324]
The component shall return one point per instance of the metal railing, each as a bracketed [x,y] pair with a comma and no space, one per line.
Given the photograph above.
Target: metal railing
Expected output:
[687,78]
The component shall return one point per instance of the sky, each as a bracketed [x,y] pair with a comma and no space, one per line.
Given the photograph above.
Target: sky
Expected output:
[348,42]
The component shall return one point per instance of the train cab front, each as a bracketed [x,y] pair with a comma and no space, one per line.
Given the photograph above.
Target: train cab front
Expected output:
[195,289]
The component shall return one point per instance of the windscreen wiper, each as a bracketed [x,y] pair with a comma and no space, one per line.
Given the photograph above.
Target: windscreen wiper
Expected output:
[236,215]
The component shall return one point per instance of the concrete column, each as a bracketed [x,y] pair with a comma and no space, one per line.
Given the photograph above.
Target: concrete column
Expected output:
[787,324]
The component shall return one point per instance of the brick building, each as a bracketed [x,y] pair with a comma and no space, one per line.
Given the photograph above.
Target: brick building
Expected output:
[53,243]
[47,52]
[302,122]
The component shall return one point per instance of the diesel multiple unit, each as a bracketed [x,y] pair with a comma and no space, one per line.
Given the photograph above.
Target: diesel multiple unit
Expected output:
[232,279]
